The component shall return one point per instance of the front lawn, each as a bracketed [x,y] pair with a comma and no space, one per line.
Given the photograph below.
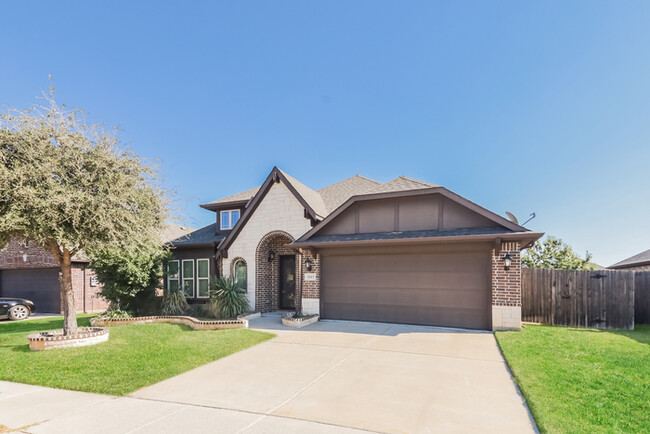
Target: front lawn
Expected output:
[134,356]
[582,380]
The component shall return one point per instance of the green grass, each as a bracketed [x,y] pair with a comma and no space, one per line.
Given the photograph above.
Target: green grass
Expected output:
[582,380]
[134,356]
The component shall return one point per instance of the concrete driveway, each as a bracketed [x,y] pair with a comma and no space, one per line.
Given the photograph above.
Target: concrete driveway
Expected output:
[333,376]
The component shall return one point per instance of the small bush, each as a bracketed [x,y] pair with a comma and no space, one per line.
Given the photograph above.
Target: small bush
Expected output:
[228,296]
[110,314]
[174,302]
[196,310]
[212,309]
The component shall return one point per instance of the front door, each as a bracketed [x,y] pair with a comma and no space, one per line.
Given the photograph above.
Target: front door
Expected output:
[287,282]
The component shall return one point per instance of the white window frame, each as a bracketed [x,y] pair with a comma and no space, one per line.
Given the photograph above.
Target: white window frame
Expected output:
[178,274]
[199,278]
[193,278]
[230,223]
[234,270]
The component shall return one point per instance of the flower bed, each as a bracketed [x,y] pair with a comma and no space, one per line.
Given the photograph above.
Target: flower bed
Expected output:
[55,339]
[299,321]
[186,320]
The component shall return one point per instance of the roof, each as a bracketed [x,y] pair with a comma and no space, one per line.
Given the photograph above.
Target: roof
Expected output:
[402,183]
[642,258]
[336,194]
[243,196]
[401,235]
[327,199]
[207,235]
[173,231]
[310,196]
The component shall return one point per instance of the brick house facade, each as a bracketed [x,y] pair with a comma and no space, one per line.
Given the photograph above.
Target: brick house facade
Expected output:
[20,259]
[462,261]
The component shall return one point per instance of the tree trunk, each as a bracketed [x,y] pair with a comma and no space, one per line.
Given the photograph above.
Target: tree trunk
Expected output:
[67,295]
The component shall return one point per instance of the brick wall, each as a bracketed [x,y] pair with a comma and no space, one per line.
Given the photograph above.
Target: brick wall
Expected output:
[86,297]
[267,291]
[18,255]
[506,288]
[311,289]
[506,285]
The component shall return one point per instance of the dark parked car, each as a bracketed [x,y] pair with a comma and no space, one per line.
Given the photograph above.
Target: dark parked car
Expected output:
[15,308]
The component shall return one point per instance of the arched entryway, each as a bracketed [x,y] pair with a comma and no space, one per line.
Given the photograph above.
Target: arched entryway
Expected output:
[276,274]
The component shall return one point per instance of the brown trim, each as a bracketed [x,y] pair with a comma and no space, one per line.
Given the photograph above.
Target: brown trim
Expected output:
[424,191]
[527,237]
[275,176]
[225,205]
[630,265]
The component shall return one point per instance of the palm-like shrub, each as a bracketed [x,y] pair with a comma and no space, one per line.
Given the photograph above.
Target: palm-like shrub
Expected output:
[174,302]
[228,297]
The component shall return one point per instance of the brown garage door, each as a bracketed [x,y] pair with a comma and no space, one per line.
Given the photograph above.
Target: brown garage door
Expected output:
[39,286]
[440,286]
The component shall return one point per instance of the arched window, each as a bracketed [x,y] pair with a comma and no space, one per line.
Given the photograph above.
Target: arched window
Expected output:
[240,272]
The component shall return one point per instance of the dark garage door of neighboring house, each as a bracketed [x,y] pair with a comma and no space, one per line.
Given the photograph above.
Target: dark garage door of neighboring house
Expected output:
[40,286]
[439,286]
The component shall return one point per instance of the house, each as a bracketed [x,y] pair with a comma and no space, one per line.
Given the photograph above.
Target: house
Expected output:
[403,251]
[640,262]
[29,271]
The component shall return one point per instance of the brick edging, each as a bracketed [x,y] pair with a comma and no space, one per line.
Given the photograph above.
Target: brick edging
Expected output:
[176,319]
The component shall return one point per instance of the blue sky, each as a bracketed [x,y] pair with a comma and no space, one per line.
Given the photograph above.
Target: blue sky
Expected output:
[518,106]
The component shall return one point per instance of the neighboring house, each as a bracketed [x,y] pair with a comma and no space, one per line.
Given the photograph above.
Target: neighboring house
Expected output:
[640,262]
[404,251]
[29,271]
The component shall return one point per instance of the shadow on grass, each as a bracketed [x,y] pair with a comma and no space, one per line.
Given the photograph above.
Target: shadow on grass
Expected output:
[38,325]
[641,333]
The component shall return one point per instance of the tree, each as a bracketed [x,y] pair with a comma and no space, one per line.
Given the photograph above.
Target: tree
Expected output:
[69,185]
[554,253]
[129,275]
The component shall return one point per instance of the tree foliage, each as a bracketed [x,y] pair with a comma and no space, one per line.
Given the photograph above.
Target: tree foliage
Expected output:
[554,253]
[70,185]
[130,276]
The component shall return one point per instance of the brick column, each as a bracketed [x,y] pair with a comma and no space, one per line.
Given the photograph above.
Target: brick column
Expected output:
[310,288]
[506,288]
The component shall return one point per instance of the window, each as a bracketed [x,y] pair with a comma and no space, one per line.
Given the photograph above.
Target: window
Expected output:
[203,277]
[188,277]
[229,218]
[241,273]
[172,276]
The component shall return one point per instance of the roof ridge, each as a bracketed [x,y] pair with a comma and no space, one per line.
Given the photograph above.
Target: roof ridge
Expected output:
[349,178]
[413,180]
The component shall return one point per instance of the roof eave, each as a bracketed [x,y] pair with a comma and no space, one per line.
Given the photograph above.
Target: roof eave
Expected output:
[527,238]
[225,205]
[629,265]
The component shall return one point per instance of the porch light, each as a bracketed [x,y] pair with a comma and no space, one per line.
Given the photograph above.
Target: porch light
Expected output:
[308,264]
[271,255]
[507,260]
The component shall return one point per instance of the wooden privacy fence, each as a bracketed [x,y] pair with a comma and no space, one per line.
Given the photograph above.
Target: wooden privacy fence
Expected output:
[577,298]
[642,297]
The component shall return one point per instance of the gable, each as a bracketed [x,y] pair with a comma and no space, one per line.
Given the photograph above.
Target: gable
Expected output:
[431,211]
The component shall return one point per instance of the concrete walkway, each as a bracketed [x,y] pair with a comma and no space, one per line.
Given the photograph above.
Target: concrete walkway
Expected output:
[333,376]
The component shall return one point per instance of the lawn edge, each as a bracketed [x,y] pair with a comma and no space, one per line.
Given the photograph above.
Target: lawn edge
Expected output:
[521,391]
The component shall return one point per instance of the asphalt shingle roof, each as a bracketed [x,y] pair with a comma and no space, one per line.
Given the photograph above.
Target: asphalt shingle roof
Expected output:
[334,195]
[641,258]
[408,235]
[327,199]
[205,235]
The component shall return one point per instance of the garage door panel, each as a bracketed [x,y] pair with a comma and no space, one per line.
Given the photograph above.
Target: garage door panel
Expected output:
[40,286]
[431,288]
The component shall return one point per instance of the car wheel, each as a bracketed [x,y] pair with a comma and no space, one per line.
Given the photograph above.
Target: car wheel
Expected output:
[18,312]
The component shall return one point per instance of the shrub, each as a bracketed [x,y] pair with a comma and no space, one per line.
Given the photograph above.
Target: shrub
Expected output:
[110,314]
[228,296]
[174,302]
[130,276]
